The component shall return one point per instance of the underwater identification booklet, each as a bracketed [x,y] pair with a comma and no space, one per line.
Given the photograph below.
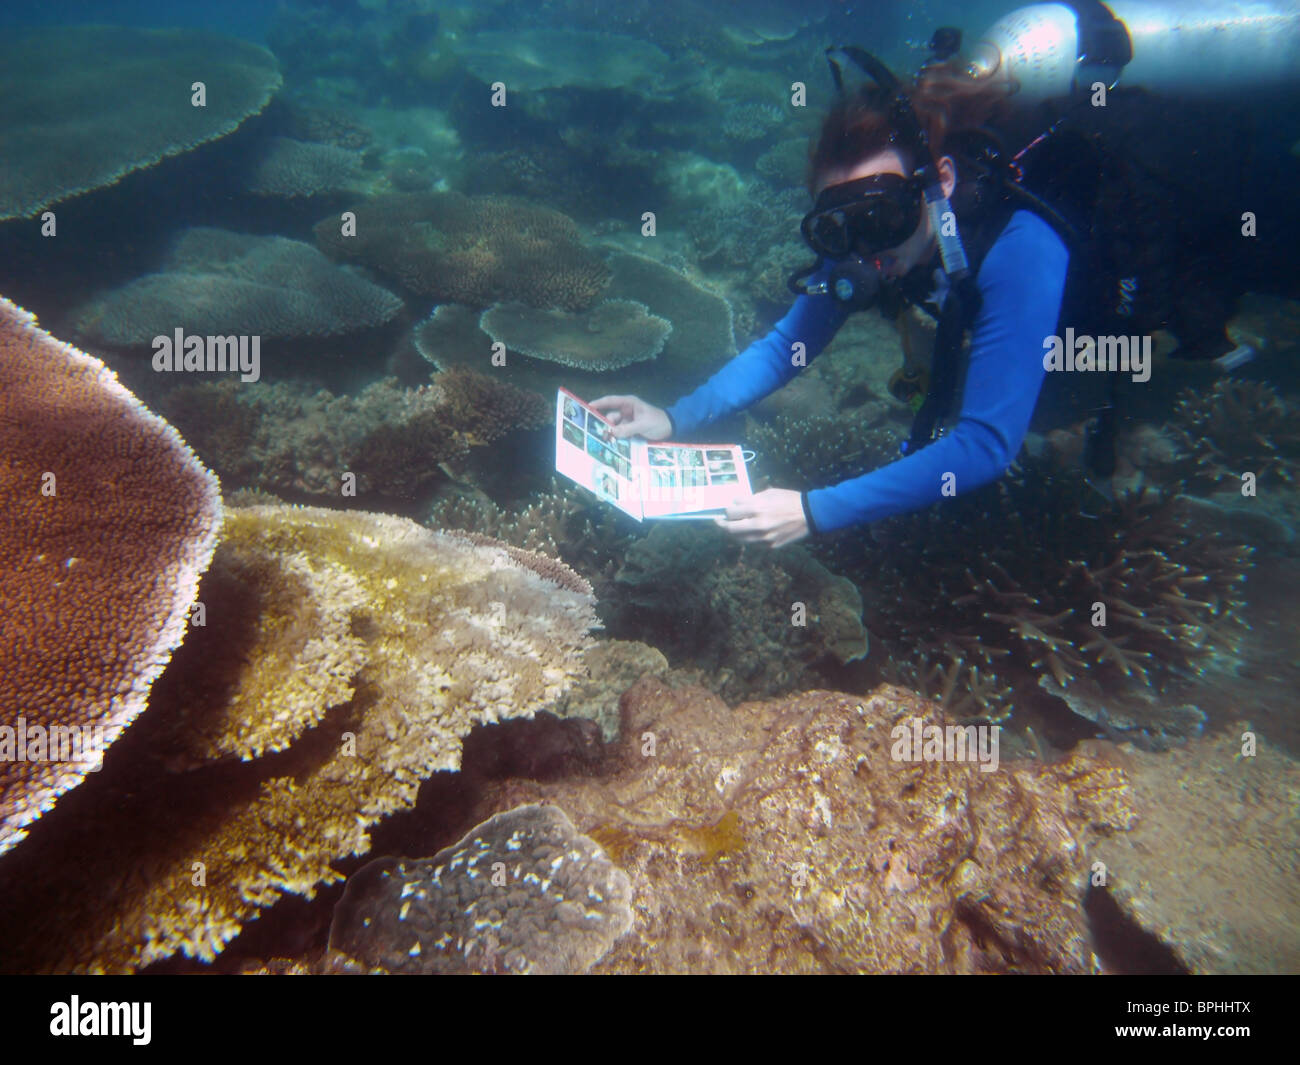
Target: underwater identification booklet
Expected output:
[644,479]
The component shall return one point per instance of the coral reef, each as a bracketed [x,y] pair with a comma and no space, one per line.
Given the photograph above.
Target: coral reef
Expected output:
[787,837]
[1237,427]
[1211,869]
[532,59]
[802,453]
[735,613]
[701,338]
[473,250]
[613,666]
[109,522]
[291,168]
[1024,608]
[524,892]
[82,104]
[608,336]
[219,283]
[565,522]
[455,633]
[292,438]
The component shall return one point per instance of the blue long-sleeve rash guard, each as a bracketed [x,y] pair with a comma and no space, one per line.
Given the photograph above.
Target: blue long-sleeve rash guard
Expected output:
[1021,281]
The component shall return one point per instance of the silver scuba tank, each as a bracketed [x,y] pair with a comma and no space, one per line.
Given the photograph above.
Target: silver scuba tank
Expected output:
[1183,47]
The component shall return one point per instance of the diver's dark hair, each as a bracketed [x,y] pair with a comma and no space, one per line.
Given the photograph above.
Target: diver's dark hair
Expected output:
[944,96]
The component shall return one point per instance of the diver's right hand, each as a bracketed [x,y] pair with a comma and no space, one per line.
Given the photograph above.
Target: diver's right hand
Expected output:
[634,417]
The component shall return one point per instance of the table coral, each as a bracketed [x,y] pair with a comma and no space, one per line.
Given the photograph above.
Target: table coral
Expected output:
[109,520]
[453,633]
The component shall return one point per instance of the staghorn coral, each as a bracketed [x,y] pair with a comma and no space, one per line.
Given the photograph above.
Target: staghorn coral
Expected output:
[1021,608]
[732,612]
[455,634]
[1239,427]
[109,522]
[523,892]
[290,168]
[220,283]
[608,336]
[85,105]
[473,250]
[785,836]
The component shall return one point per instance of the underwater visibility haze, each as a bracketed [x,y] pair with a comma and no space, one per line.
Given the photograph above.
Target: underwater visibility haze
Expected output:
[628,487]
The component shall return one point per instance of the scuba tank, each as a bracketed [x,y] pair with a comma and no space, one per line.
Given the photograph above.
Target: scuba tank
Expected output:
[1175,47]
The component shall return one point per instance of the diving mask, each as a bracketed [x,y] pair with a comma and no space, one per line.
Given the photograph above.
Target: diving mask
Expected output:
[865,216]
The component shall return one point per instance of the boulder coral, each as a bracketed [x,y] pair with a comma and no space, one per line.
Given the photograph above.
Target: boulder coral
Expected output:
[109,520]
[363,648]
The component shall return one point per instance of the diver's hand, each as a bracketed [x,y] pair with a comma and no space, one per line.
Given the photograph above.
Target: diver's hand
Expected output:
[634,417]
[774,517]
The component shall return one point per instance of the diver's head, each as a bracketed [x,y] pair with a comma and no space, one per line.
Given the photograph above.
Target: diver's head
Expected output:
[874,208]
[865,170]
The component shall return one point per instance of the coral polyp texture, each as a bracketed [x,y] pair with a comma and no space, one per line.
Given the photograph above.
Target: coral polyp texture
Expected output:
[787,837]
[608,336]
[1237,428]
[472,250]
[217,282]
[524,892]
[290,169]
[81,106]
[363,648]
[109,522]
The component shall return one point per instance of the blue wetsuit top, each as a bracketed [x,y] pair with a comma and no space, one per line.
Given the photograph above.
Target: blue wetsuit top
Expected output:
[1021,282]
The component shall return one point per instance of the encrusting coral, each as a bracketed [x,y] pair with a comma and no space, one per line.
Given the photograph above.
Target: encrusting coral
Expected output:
[524,892]
[85,105]
[797,836]
[216,282]
[442,633]
[472,250]
[109,520]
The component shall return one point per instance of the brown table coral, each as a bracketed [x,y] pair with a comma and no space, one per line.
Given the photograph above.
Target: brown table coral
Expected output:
[109,520]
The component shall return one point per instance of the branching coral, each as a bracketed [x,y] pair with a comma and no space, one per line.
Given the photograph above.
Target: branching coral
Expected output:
[109,522]
[1032,578]
[476,251]
[1238,427]
[802,453]
[432,635]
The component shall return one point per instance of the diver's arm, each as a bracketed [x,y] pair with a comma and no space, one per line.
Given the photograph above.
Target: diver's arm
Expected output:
[1021,282]
[761,368]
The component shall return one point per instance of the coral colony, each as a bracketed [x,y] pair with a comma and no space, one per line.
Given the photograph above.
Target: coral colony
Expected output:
[388,630]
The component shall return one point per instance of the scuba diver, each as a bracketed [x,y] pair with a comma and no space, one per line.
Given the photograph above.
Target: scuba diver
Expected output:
[916,202]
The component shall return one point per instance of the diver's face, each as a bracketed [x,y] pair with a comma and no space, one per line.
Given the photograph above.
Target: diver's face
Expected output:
[919,247]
